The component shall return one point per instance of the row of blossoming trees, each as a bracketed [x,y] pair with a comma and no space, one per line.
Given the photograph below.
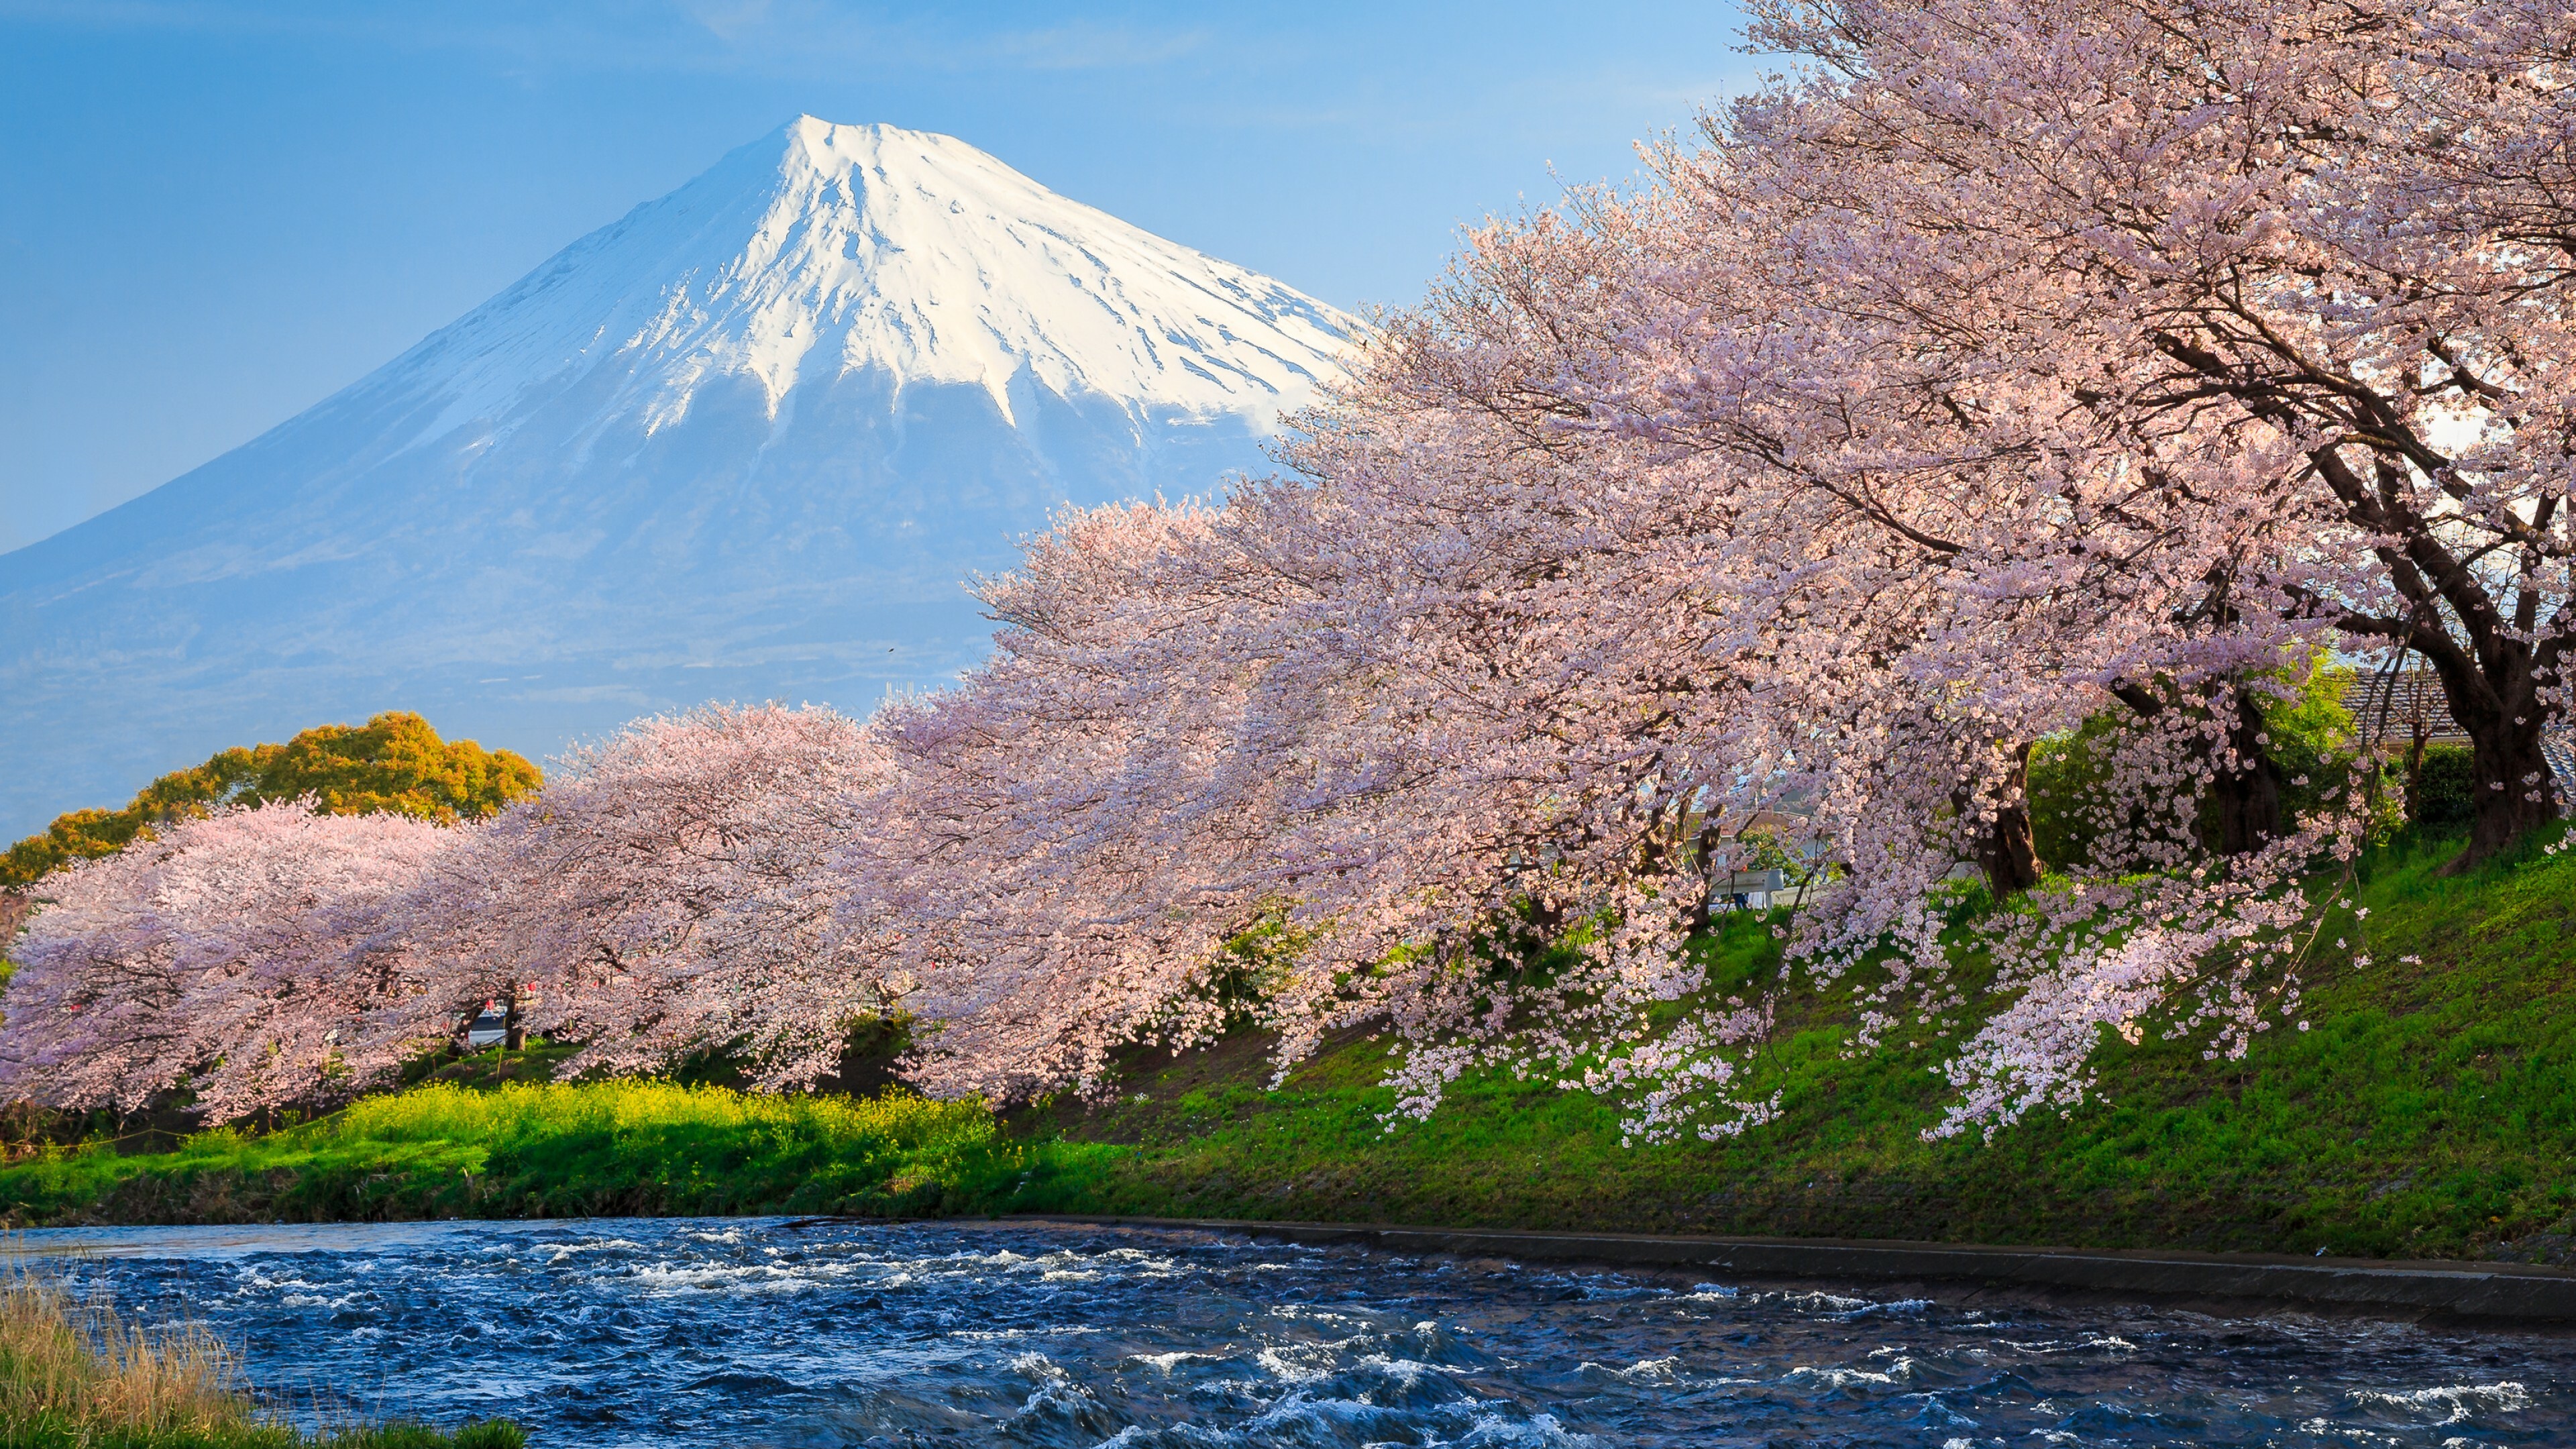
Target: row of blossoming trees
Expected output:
[1999,367]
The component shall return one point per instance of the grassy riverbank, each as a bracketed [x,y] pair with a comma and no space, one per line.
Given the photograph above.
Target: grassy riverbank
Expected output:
[2431,1111]
[552,1150]
[77,1376]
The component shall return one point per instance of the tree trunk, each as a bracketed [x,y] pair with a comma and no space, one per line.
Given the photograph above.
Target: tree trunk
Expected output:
[1705,844]
[2507,809]
[2511,803]
[2006,850]
[2496,703]
[2245,799]
[2247,796]
[514,1036]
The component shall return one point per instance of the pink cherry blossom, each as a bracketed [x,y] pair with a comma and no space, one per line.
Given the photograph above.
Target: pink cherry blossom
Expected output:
[239,957]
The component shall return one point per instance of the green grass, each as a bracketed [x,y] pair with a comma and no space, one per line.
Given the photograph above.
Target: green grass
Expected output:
[56,1431]
[2431,1111]
[554,1150]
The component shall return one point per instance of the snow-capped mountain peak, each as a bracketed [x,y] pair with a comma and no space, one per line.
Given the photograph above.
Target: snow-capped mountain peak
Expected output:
[824,249]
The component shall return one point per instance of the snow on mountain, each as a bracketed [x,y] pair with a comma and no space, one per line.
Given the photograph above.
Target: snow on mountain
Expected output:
[868,246]
[744,443]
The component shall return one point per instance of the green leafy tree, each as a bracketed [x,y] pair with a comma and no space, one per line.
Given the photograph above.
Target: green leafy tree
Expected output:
[392,764]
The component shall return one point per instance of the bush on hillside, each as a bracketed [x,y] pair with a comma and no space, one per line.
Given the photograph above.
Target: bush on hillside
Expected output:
[2444,798]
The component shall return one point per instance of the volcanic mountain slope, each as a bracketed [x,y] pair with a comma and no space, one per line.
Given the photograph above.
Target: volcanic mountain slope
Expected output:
[745,443]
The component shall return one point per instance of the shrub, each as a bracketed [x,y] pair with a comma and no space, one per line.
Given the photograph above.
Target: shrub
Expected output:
[2443,800]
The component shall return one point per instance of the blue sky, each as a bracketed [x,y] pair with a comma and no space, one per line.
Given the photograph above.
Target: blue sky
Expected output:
[212,215]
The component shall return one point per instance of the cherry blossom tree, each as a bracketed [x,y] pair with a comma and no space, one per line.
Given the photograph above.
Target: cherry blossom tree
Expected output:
[2295,264]
[1069,837]
[665,896]
[239,957]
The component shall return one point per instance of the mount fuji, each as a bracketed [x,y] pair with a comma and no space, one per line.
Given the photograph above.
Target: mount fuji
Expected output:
[745,443]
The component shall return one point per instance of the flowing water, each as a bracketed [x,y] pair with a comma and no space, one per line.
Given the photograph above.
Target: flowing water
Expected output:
[822,1333]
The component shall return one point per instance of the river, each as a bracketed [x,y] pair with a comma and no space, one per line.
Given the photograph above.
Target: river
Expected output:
[774,1331]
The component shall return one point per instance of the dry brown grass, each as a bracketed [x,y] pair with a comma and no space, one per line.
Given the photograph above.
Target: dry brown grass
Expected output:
[76,1374]
[68,1362]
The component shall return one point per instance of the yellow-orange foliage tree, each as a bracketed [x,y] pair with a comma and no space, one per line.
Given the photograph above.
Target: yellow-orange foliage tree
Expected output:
[395,763]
